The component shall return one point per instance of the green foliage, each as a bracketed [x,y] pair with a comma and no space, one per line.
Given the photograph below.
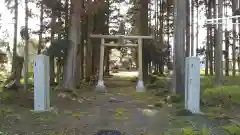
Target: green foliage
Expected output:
[30,81]
[75,115]
[158,83]
[224,96]
[190,131]
[232,129]
[176,98]
[206,82]
[4,95]
[133,79]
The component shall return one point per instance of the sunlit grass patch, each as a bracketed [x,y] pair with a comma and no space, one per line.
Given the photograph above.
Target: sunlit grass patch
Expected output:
[76,115]
[30,81]
[4,95]
[45,119]
[122,113]
[188,131]
[175,122]
[191,131]
[231,129]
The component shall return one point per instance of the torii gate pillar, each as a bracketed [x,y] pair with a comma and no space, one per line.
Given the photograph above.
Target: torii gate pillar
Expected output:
[140,85]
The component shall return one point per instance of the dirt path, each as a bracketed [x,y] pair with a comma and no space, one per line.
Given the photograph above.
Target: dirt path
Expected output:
[116,109]
[102,111]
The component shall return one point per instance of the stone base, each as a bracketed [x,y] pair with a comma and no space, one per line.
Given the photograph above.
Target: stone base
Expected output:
[41,111]
[100,87]
[140,86]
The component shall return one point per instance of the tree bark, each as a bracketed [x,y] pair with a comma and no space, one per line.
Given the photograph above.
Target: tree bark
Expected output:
[197,32]
[41,29]
[74,34]
[51,58]
[218,50]
[179,46]
[226,55]
[234,2]
[192,27]
[144,31]
[15,34]
[89,48]
[187,29]
[26,49]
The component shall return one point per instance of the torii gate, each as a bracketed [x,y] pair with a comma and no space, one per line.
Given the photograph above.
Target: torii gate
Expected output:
[140,85]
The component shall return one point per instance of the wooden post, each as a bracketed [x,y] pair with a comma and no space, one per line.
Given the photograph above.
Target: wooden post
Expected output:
[100,85]
[140,85]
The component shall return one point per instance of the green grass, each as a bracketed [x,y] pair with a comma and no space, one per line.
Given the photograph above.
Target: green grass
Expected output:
[30,81]
[224,96]
[232,129]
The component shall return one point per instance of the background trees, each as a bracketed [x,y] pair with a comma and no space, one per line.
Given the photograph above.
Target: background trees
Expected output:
[66,27]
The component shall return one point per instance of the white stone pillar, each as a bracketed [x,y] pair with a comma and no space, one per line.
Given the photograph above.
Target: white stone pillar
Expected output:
[192,83]
[41,83]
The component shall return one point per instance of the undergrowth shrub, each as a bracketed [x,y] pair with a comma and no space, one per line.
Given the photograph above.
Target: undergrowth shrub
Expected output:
[224,96]
[158,83]
[206,82]
[133,79]
[232,129]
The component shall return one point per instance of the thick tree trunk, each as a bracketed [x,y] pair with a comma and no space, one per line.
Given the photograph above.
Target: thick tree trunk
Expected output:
[106,59]
[83,38]
[179,49]
[52,63]
[211,44]
[15,34]
[192,27]
[211,41]
[218,50]
[89,49]
[144,31]
[187,29]
[41,29]
[207,54]
[74,31]
[197,32]
[66,18]
[16,73]
[80,51]
[238,60]
[226,55]
[213,68]
[234,2]
[26,49]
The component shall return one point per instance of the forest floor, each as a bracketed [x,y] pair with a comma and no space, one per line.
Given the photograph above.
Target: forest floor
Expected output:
[121,108]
